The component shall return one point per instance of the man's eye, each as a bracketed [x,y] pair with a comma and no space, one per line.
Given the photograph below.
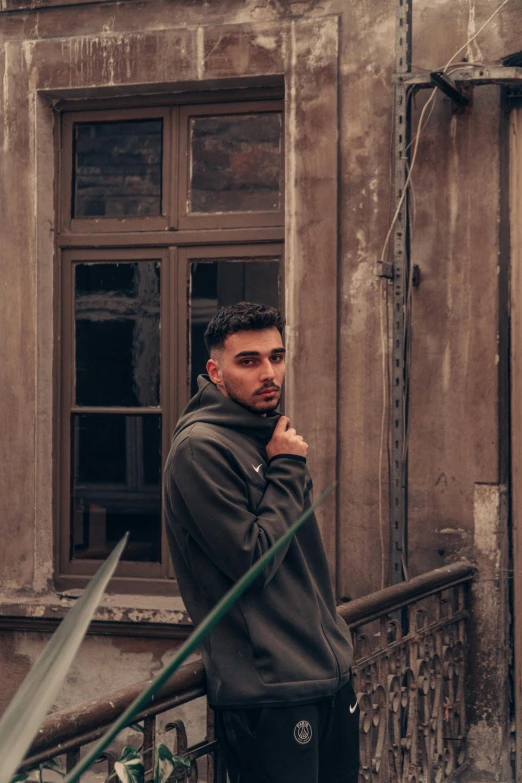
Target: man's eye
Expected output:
[277,358]
[246,362]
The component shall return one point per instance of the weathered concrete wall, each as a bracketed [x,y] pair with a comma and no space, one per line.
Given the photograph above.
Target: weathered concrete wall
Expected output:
[490,661]
[457,402]
[454,382]
[458,357]
[454,386]
[367,63]
[103,664]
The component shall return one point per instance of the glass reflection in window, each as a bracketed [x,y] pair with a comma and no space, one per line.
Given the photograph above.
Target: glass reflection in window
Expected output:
[116,485]
[117,330]
[117,168]
[236,163]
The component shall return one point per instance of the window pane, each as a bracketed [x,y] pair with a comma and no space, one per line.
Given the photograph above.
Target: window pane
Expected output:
[116,485]
[236,163]
[117,315]
[216,283]
[117,168]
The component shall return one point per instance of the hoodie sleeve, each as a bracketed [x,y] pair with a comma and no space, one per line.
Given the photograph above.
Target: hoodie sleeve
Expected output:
[216,499]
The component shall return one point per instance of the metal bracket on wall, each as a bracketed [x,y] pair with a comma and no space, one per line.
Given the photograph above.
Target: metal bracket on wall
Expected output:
[384,270]
[449,88]
[466,74]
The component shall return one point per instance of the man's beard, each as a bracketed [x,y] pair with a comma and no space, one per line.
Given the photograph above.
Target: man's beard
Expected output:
[265,407]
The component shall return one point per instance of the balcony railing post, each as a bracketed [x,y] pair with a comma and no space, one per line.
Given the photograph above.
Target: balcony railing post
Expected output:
[111,759]
[72,757]
[149,745]
[216,770]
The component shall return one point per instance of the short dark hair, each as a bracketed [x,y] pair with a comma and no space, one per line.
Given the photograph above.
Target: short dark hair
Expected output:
[240,317]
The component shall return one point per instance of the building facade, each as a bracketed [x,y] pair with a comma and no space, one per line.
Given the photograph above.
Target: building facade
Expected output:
[161,158]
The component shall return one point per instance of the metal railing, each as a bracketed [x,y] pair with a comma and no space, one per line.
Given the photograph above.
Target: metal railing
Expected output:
[409,676]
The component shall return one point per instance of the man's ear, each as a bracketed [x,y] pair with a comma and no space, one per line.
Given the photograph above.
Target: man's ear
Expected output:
[214,372]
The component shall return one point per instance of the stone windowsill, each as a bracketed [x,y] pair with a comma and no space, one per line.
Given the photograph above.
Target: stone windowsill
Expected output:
[121,615]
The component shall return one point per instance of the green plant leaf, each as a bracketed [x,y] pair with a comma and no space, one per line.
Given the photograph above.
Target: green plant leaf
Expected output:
[166,762]
[129,768]
[191,644]
[23,717]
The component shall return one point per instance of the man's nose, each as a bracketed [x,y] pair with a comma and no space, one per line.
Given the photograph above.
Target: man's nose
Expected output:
[267,370]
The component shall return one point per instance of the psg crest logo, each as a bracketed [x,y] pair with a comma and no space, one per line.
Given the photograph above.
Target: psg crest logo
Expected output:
[303,732]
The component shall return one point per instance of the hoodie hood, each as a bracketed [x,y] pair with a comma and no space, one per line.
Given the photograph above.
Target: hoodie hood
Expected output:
[209,406]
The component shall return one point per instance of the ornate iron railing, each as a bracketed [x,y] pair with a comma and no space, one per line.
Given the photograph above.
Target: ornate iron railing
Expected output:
[409,672]
[409,675]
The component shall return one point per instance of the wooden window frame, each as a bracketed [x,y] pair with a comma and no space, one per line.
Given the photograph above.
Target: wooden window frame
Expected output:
[132,239]
[90,225]
[197,220]
[78,567]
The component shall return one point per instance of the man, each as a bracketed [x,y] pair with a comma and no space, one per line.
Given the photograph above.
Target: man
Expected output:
[278,666]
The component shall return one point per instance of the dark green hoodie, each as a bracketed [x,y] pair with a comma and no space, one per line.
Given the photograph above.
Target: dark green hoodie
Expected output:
[283,642]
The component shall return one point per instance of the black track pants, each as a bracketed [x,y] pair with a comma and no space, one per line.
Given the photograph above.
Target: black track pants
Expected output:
[312,743]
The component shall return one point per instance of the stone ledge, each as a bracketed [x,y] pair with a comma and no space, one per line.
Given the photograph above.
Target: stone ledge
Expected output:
[117,615]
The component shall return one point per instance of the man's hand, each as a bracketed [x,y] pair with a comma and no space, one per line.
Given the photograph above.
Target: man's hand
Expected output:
[285,440]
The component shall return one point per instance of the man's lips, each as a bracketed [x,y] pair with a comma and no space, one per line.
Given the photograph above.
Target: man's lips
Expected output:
[268,392]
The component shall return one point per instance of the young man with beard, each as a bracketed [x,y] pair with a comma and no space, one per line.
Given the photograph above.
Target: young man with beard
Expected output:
[278,665]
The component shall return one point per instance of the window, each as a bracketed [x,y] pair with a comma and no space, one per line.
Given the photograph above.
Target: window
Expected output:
[165,215]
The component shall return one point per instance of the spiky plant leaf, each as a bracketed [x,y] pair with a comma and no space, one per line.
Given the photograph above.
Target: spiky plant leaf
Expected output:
[35,697]
[166,762]
[130,768]
[191,644]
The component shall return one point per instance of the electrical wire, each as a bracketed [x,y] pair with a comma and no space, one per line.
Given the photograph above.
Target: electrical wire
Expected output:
[476,35]
[383,302]
[419,131]
[421,120]
[385,330]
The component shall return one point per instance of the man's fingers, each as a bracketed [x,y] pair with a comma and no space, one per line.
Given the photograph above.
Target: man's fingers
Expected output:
[285,440]
[282,424]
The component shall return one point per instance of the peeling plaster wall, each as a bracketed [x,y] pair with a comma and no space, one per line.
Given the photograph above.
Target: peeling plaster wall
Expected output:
[103,664]
[489,709]
[456,399]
